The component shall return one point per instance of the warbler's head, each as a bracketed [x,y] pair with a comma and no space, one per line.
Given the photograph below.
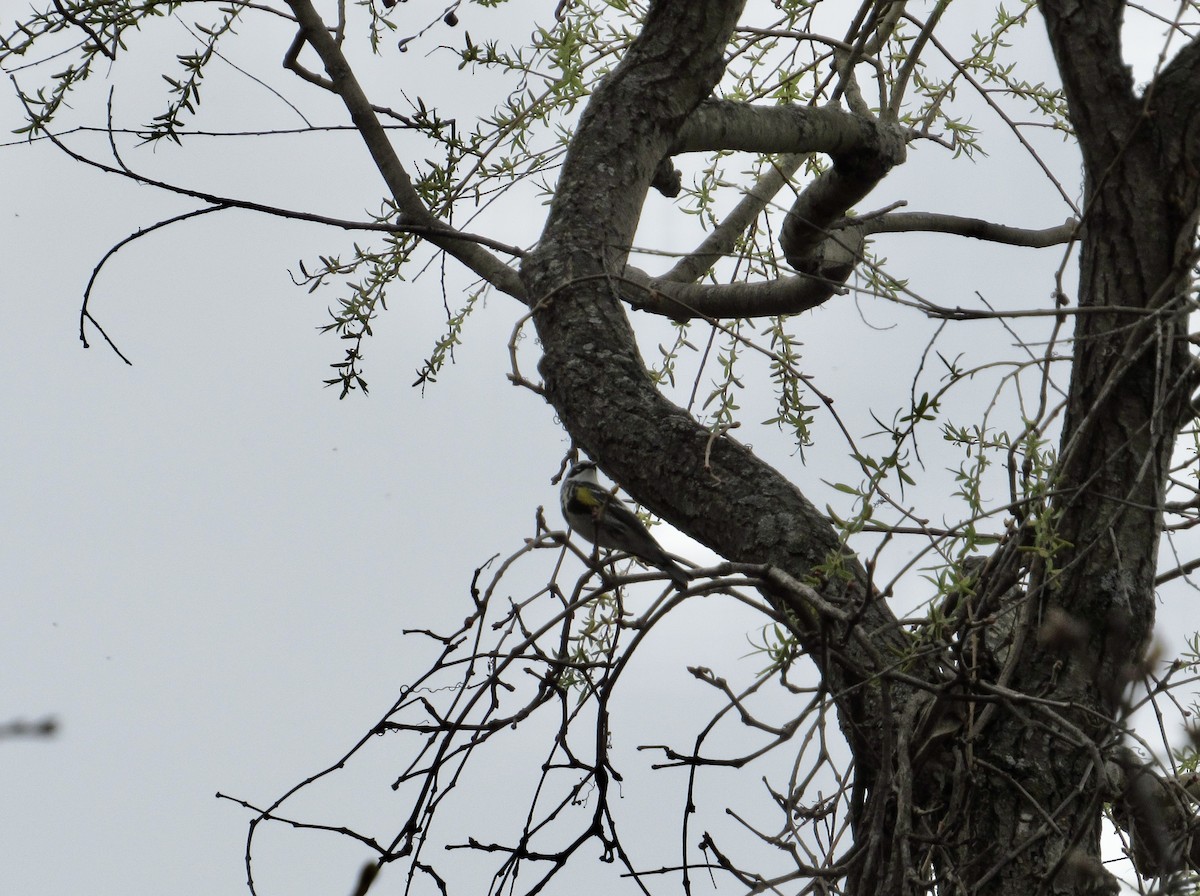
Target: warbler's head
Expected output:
[582,471]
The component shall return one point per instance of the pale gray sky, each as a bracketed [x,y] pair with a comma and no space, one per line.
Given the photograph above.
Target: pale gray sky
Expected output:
[208,558]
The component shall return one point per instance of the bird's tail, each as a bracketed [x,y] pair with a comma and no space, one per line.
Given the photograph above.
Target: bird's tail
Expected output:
[679,576]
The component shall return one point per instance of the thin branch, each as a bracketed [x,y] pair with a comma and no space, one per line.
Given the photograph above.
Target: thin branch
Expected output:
[976,228]
[1182,570]
[725,235]
[85,315]
[913,56]
[433,230]
[412,209]
[86,28]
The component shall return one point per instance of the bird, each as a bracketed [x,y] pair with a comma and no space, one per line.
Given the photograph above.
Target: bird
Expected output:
[604,520]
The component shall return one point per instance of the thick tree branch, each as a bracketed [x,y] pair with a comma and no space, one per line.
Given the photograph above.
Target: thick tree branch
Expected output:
[1129,386]
[806,229]
[792,295]
[375,136]
[710,487]
[795,131]
[863,149]
[725,124]
[1173,99]
[1086,41]
[1177,82]
[1129,383]
[767,298]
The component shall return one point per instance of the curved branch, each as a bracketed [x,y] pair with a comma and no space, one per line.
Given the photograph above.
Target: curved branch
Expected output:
[863,149]
[766,298]
[841,251]
[712,488]
[85,314]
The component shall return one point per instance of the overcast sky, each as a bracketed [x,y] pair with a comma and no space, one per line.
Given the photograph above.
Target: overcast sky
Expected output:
[208,558]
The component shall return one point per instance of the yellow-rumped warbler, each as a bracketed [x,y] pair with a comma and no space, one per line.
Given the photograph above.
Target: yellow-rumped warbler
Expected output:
[603,519]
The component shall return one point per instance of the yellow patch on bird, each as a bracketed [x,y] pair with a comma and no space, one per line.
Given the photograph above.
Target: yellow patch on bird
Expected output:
[586,496]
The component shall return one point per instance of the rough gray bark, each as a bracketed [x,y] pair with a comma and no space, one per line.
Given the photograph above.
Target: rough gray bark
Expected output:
[1131,383]
[982,762]
[1129,391]
[985,776]
[713,489]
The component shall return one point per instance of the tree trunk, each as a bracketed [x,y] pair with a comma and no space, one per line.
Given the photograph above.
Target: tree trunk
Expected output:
[1090,606]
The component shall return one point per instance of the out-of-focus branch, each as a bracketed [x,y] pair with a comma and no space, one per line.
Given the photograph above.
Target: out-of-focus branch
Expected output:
[1158,813]
[17,728]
